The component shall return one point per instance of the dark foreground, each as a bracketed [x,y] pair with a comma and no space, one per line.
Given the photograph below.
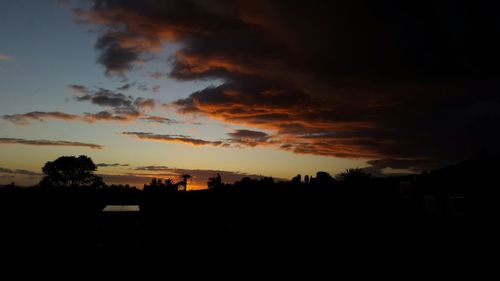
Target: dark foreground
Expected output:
[313,234]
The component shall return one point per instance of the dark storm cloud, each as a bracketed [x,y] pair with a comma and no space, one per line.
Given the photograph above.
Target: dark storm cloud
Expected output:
[48,143]
[411,83]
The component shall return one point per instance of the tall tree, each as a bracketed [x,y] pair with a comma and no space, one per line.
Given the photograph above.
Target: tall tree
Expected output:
[71,172]
[185,178]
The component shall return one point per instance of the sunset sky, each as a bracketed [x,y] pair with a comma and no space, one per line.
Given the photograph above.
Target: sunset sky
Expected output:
[246,88]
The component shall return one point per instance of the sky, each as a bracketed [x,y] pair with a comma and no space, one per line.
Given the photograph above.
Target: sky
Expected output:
[246,88]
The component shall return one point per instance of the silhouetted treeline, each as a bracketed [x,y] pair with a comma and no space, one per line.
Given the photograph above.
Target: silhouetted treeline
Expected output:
[317,226]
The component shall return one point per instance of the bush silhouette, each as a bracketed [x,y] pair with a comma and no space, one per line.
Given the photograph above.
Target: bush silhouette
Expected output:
[354,175]
[158,185]
[322,178]
[215,182]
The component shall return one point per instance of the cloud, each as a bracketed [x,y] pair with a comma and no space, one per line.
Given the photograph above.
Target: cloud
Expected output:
[18,172]
[120,104]
[248,137]
[115,115]
[139,86]
[156,75]
[153,168]
[109,116]
[130,179]
[6,58]
[126,86]
[117,58]
[24,119]
[324,145]
[104,97]
[48,143]
[143,102]
[120,107]
[159,119]
[173,139]
[356,80]
[79,89]
[105,165]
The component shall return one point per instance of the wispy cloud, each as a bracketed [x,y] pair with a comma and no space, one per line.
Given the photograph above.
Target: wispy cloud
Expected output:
[153,168]
[48,143]
[118,107]
[6,58]
[158,119]
[237,138]
[18,172]
[173,139]
[25,118]
[105,165]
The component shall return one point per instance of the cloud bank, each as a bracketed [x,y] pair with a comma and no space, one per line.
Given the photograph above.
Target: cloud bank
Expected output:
[408,84]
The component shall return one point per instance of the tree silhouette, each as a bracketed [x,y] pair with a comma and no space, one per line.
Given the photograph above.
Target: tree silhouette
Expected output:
[354,175]
[158,185]
[214,182]
[71,172]
[323,178]
[183,183]
[297,179]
